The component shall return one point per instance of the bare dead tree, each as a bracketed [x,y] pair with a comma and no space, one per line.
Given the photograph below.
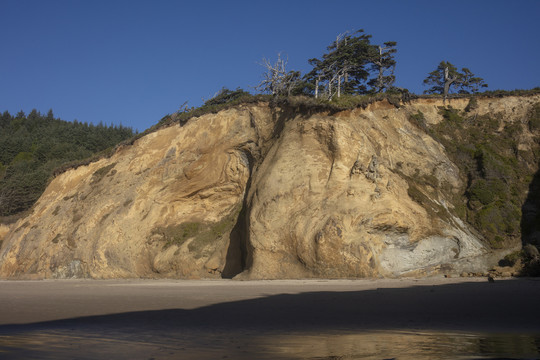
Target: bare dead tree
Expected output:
[340,72]
[277,80]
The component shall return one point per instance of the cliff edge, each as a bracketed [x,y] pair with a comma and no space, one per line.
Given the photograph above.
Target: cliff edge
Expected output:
[261,191]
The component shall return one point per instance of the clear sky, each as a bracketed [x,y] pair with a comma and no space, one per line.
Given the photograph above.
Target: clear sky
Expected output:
[132,62]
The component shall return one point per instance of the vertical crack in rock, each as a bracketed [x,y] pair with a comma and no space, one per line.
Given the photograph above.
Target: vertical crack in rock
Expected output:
[241,194]
[236,259]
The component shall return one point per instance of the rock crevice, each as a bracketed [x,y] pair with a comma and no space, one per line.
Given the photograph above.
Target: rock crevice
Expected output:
[257,192]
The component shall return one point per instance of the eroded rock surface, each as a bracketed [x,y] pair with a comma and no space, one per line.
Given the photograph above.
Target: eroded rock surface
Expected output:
[331,200]
[162,207]
[259,192]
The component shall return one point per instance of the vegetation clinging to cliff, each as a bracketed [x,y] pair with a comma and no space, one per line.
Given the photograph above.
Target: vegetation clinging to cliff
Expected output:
[496,171]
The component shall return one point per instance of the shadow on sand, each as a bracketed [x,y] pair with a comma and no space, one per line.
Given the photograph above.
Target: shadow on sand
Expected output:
[506,305]
[421,321]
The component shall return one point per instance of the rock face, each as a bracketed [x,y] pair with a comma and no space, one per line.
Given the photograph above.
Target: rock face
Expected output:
[259,192]
[135,214]
[330,199]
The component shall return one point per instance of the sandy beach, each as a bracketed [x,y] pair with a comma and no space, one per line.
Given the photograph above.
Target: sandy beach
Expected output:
[204,319]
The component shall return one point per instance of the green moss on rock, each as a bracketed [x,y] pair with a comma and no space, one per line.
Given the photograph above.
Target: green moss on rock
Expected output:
[214,231]
[178,234]
[199,234]
[496,174]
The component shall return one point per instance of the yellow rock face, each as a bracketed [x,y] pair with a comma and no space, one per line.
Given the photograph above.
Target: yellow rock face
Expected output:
[123,216]
[255,192]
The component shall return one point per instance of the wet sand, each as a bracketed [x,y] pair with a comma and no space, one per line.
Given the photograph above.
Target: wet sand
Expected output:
[254,319]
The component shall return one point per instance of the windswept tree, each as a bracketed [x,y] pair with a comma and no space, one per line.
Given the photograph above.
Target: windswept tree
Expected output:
[383,64]
[471,83]
[447,79]
[342,70]
[277,80]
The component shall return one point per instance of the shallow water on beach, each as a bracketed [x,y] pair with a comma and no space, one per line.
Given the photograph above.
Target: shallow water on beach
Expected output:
[270,320]
[77,344]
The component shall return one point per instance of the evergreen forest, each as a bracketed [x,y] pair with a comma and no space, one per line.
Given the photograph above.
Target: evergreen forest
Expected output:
[33,147]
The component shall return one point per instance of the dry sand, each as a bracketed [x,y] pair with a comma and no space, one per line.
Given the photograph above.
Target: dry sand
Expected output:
[433,303]
[203,319]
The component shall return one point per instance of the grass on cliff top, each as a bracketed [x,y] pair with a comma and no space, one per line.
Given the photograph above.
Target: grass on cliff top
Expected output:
[306,104]
[229,99]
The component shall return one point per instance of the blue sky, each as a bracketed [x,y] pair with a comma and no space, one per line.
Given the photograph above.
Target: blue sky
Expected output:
[132,62]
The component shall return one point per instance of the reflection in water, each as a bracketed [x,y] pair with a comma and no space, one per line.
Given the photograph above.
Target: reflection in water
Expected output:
[76,344]
[408,345]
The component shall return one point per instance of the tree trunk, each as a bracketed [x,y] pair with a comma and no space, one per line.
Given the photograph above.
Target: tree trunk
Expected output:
[380,65]
[447,83]
[330,89]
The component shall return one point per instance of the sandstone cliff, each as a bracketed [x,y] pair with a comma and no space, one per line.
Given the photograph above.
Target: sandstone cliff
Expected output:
[260,191]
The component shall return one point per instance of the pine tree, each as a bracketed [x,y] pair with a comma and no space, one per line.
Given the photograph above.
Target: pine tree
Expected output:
[384,65]
[342,70]
[446,79]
